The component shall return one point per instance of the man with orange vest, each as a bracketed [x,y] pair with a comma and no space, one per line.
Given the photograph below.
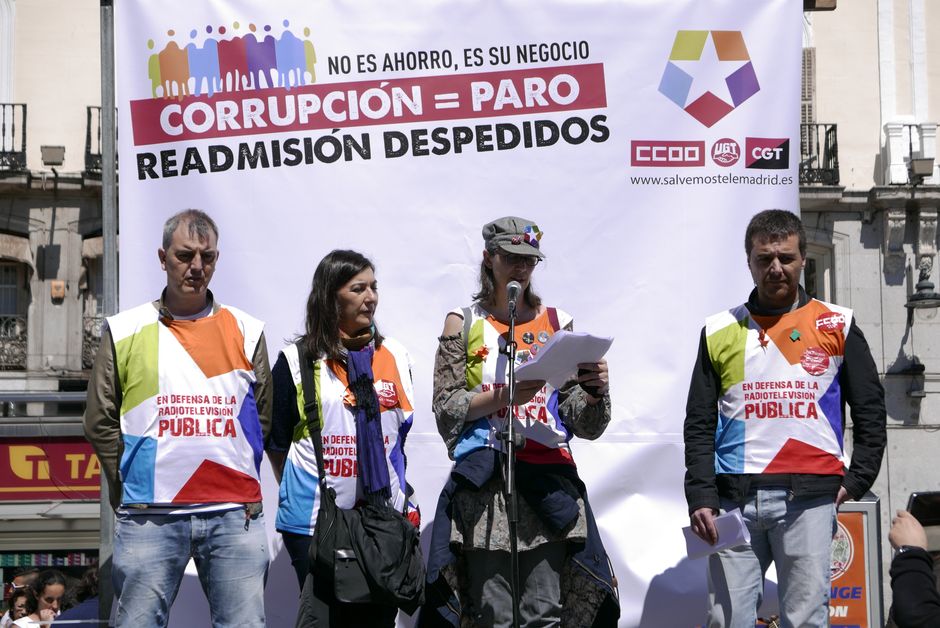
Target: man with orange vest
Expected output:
[764,431]
[178,407]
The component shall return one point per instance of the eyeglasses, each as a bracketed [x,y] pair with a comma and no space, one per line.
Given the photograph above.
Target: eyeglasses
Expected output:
[10,587]
[516,260]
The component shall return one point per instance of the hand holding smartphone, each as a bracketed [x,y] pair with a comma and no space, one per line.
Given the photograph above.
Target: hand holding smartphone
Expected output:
[925,506]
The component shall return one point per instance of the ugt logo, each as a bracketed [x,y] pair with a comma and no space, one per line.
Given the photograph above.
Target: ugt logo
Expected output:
[709,73]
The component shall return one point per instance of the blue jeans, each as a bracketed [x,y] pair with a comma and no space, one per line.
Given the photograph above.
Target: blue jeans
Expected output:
[150,557]
[797,536]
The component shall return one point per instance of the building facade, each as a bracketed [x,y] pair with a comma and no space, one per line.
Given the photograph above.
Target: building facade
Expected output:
[870,191]
[50,281]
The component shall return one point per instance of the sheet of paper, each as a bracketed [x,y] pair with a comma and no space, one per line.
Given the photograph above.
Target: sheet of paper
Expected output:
[557,361]
[731,532]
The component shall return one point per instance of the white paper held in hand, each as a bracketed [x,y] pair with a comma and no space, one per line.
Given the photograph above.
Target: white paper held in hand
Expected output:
[558,360]
[731,532]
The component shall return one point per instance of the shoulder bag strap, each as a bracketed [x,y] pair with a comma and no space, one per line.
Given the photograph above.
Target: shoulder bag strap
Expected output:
[467,323]
[310,406]
[553,318]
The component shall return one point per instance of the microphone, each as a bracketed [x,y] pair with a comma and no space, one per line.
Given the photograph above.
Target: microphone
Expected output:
[513,289]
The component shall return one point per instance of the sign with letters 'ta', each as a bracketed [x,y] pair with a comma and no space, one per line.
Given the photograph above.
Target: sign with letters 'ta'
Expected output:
[48,468]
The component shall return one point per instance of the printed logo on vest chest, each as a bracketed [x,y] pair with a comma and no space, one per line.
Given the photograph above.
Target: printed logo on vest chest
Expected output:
[387,393]
[384,390]
[815,361]
[830,322]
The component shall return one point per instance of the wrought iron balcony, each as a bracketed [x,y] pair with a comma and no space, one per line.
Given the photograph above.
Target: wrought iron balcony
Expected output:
[819,154]
[93,142]
[12,343]
[91,338]
[12,138]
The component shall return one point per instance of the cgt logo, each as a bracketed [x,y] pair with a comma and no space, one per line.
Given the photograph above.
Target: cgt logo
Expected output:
[667,154]
[767,153]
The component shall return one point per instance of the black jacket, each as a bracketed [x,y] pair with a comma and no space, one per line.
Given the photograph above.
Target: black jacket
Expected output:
[915,601]
[861,389]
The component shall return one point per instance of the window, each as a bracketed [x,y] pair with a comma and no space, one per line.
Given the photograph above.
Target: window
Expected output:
[14,301]
[818,278]
[94,287]
[11,282]
[808,91]
[808,106]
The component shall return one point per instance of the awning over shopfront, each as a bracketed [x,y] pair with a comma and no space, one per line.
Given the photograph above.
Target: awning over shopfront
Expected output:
[16,249]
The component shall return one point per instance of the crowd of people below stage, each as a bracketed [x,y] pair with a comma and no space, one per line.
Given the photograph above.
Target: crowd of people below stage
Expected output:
[50,595]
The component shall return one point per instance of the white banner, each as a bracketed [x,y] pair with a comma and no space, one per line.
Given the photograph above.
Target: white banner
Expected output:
[640,137]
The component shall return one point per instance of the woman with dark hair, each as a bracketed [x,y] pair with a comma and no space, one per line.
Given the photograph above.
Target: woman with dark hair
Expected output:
[83,599]
[565,578]
[17,606]
[363,388]
[45,596]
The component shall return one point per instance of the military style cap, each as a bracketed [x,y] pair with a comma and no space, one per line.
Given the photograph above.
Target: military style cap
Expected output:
[513,235]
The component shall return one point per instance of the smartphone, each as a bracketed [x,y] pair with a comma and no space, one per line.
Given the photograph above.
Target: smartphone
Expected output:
[925,506]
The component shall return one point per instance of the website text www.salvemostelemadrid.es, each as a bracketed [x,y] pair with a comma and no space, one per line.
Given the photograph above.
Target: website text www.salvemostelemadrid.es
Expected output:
[713,179]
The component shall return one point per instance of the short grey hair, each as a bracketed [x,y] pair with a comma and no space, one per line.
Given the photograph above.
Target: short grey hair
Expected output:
[199,225]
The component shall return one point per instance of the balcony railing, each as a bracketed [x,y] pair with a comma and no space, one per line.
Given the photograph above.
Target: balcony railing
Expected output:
[91,338]
[12,343]
[819,154]
[93,142]
[12,138]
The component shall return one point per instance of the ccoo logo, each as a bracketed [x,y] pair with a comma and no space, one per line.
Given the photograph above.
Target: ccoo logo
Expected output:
[709,74]
[661,153]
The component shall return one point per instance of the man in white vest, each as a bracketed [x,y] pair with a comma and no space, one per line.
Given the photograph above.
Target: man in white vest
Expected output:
[764,432]
[178,407]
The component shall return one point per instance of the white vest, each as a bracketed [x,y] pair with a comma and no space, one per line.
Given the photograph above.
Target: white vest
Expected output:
[780,407]
[541,423]
[188,415]
[299,495]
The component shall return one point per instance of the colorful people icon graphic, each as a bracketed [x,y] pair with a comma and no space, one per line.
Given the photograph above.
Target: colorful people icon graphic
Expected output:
[224,61]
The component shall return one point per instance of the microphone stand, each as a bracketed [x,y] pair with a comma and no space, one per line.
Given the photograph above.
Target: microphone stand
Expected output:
[512,439]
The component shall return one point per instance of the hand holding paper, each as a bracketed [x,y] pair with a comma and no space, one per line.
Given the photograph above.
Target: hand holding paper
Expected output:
[594,378]
[703,524]
[731,532]
[558,360]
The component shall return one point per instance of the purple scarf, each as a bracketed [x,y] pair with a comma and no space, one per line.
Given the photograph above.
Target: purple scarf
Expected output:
[370,442]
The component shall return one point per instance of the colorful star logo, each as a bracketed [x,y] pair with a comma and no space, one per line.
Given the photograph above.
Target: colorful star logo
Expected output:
[709,74]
